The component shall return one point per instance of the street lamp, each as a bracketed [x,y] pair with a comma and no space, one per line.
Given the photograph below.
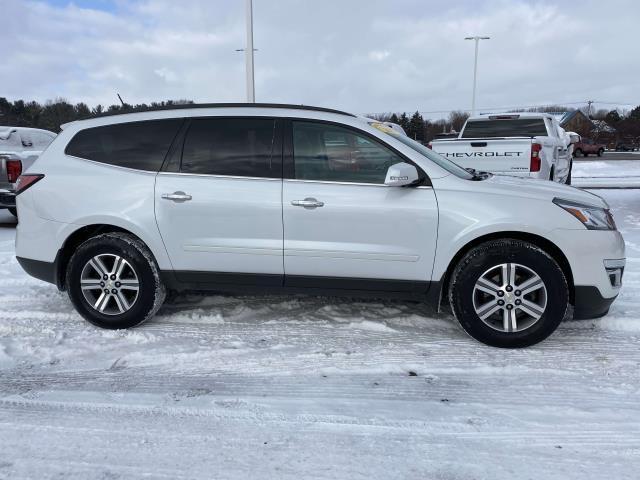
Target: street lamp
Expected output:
[475,71]
[248,54]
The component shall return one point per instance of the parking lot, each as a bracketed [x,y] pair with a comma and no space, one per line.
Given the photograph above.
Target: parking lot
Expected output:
[260,387]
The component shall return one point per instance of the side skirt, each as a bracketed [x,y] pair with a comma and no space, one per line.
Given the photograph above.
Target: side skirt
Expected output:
[263,284]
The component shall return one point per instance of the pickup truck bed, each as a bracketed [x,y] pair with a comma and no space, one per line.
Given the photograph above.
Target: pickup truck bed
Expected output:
[497,155]
[521,144]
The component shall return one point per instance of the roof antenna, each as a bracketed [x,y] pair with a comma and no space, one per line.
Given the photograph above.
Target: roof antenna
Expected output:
[120,99]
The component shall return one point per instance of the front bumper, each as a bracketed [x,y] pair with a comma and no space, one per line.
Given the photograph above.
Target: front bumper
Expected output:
[589,303]
[7,199]
[597,260]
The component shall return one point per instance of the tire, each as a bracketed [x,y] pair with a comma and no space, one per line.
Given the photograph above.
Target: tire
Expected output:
[577,153]
[128,307]
[568,180]
[600,152]
[13,211]
[486,259]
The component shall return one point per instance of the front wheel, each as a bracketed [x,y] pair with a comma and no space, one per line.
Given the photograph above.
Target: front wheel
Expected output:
[113,281]
[600,152]
[577,153]
[508,293]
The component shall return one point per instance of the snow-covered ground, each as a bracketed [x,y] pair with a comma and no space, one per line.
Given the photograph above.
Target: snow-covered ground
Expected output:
[606,173]
[290,388]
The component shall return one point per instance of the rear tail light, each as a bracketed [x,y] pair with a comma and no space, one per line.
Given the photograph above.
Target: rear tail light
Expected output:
[14,170]
[535,164]
[430,145]
[26,181]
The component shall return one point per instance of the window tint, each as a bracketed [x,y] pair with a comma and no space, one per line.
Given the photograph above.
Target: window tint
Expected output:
[139,145]
[335,154]
[522,127]
[231,146]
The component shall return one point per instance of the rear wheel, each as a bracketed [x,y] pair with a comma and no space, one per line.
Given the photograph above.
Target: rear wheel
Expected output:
[600,152]
[508,293]
[114,282]
[577,153]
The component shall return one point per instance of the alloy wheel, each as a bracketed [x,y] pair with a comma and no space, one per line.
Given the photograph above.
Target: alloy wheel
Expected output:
[510,297]
[109,284]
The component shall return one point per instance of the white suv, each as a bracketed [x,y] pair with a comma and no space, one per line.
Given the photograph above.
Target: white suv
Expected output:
[277,198]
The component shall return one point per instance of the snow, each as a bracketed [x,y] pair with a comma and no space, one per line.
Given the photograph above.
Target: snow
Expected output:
[294,387]
[606,174]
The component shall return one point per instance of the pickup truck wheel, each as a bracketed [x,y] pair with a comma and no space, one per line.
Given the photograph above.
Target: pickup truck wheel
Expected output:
[113,281]
[508,293]
[600,152]
[577,153]
[13,211]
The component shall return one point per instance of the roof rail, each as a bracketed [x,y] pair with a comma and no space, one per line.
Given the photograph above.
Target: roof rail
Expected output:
[184,106]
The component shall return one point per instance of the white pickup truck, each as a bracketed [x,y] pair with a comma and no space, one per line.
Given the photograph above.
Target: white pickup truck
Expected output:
[19,148]
[520,144]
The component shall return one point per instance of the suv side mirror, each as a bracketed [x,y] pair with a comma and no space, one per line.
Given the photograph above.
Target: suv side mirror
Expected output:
[401,175]
[575,138]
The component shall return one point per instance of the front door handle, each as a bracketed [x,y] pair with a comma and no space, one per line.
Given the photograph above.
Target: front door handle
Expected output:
[176,196]
[307,203]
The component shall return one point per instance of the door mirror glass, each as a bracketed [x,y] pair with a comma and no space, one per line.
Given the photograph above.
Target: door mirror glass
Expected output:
[401,174]
[575,138]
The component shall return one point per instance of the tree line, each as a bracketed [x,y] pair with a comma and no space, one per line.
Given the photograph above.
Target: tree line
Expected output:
[53,113]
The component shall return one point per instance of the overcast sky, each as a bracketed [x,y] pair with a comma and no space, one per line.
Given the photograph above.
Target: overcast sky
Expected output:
[364,56]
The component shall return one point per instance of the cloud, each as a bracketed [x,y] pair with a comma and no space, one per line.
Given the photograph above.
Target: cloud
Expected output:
[361,55]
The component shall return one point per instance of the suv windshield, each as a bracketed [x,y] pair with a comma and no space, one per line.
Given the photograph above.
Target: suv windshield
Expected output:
[436,158]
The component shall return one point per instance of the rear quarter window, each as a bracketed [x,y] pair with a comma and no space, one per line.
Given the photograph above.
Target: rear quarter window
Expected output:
[138,145]
[522,127]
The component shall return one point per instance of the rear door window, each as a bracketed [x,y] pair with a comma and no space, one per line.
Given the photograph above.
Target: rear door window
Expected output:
[138,145]
[521,127]
[241,147]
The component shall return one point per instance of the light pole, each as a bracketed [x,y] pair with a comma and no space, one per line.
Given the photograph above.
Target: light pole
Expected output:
[248,54]
[475,71]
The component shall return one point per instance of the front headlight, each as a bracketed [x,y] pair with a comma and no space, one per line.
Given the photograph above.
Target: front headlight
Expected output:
[594,218]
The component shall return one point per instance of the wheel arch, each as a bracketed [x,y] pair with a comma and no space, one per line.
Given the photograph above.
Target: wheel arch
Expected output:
[75,239]
[548,246]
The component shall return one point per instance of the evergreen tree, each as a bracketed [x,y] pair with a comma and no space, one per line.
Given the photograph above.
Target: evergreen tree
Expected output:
[612,117]
[403,121]
[416,127]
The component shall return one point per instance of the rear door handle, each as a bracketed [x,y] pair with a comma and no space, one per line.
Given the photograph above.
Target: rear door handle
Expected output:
[176,196]
[307,203]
